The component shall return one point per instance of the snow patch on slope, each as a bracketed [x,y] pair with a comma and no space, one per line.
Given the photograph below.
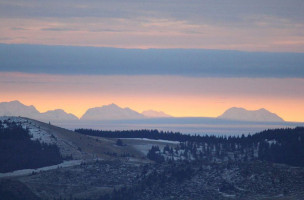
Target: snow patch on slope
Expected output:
[34,130]
[46,135]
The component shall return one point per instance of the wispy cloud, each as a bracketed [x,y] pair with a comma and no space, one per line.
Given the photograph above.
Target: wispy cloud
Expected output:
[237,24]
[18,29]
[214,11]
[57,29]
[151,85]
[5,38]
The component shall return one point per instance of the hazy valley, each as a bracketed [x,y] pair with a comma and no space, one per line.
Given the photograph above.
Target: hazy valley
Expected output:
[234,121]
[152,100]
[147,164]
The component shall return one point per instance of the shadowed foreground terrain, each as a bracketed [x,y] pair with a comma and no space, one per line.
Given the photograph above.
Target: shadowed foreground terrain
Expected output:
[173,180]
[130,167]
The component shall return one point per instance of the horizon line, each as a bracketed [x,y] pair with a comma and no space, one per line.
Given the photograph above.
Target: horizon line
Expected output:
[152,48]
[171,116]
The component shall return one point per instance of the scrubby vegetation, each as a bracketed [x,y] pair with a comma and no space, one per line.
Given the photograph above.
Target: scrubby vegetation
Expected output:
[199,167]
[205,180]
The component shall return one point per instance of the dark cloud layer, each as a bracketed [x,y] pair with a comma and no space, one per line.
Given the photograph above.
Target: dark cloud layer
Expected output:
[193,10]
[184,62]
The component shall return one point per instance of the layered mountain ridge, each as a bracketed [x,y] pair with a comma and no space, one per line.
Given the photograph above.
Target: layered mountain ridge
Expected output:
[16,108]
[241,114]
[114,112]
[106,112]
[155,114]
[111,112]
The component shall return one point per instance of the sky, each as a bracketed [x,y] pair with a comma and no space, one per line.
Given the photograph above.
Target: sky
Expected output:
[260,25]
[186,58]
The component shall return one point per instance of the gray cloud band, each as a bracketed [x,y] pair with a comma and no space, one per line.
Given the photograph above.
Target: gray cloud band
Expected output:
[183,62]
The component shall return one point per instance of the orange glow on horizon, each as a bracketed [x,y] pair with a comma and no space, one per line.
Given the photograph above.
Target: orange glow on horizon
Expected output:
[175,106]
[176,96]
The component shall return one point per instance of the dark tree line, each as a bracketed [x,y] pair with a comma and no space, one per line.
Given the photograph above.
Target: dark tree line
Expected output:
[149,134]
[282,146]
[279,145]
[18,151]
[276,145]
[154,154]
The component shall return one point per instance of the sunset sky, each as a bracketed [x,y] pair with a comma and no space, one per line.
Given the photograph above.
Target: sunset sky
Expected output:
[186,58]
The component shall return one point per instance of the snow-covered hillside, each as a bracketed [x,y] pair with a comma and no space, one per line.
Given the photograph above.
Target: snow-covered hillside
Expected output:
[34,130]
[46,133]
[71,145]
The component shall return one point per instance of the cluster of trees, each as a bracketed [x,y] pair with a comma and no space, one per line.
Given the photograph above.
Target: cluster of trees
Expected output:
[18,151]
[277,145]
[154,154]
[145,133]
[210,152]
[119,142]
[282,146]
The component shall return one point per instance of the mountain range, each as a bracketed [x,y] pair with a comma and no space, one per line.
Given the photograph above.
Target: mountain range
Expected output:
[110,112]
[241,114]
[107,112]
[15,108]
[114,112]
[155,114]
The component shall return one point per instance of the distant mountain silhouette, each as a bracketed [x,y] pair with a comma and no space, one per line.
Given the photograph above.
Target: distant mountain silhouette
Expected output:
[111,112]
[155,114]
[57,114]
[15,108]
[261,115]
[114,112]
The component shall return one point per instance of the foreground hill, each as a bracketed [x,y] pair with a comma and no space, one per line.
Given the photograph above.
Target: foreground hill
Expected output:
[113,180]
[19,151]
[261,115]
[15,190]
[71,145]
[200,167]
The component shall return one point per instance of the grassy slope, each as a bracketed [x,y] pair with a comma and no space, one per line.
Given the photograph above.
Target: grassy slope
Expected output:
[91,147]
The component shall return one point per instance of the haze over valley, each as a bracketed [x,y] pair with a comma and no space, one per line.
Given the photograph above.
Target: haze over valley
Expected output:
[234,121]
[152,100]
